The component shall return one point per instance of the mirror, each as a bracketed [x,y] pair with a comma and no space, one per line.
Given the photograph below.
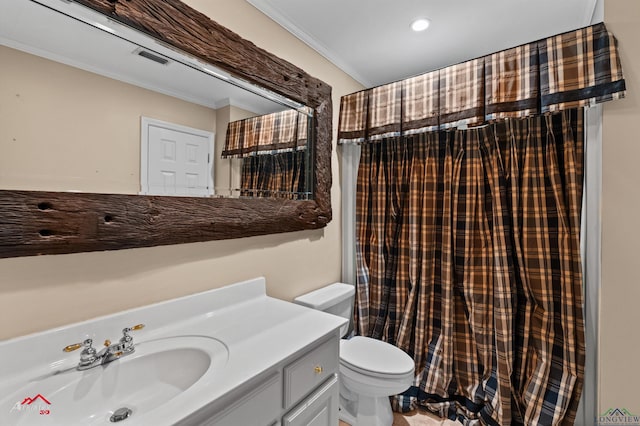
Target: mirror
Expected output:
[39,221]
[97,107]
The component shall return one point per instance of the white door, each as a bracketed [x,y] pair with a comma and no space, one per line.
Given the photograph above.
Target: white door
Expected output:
[175,160]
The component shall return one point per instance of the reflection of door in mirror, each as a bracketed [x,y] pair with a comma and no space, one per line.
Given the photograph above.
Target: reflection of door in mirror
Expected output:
[70,117]
[175,160]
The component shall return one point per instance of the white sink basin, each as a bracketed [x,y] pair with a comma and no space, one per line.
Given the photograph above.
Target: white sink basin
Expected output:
[156,376]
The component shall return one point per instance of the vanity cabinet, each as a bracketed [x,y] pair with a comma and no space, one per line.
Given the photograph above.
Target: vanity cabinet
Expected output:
[301,391]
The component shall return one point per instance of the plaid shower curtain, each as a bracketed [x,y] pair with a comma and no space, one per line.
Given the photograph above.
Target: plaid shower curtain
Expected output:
[468,259]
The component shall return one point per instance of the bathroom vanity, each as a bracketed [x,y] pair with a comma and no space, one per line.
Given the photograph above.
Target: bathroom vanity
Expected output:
[230,356]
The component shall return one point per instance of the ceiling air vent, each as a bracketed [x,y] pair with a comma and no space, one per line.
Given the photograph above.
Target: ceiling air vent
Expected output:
[151,56]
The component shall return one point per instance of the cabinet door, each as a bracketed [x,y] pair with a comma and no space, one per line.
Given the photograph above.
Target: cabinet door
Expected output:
[258,407]
[319,409]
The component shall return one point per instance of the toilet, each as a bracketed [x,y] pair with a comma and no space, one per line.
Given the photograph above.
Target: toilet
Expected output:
[370,370]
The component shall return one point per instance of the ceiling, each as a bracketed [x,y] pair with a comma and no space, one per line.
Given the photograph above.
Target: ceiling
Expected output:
[372,41]
[75,35]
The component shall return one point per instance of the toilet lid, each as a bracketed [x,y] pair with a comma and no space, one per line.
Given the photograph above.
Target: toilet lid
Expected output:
[375,357]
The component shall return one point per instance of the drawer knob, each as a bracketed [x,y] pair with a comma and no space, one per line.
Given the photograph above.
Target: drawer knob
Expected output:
[318,369]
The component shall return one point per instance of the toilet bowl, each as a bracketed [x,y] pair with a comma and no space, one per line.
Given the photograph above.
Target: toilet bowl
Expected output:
[370,370]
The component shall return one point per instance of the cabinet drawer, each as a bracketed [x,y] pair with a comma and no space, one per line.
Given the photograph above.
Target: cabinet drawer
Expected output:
[310,370]
[320,409]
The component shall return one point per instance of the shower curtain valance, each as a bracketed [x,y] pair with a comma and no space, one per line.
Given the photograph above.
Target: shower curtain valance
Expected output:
[570,70]
[279,132]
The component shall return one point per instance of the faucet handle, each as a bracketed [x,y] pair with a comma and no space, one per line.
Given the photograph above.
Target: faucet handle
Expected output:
[126,340]
[88,354]
[127,330]
[86,344]
[134,328]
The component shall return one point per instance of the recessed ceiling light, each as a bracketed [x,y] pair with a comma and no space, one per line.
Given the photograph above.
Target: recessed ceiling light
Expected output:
[420,24]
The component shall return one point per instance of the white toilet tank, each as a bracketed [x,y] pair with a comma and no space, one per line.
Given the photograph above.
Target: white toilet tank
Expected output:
[336,299]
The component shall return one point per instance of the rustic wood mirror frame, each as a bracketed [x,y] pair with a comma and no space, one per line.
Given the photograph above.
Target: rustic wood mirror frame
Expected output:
[37,222]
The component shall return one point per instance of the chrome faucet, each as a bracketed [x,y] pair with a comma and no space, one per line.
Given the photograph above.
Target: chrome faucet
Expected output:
[90,358]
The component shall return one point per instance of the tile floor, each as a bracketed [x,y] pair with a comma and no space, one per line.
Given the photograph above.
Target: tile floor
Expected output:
[417,418]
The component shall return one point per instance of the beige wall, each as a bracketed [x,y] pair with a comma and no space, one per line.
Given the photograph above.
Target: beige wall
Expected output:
[62,128]
[38,293]
[619,372]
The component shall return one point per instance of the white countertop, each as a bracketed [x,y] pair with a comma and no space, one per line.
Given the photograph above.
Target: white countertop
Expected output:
[258,331]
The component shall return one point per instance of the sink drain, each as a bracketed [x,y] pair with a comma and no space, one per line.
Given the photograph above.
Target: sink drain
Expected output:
[120,414]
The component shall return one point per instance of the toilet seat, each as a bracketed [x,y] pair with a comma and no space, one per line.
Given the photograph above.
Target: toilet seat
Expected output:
[375,358]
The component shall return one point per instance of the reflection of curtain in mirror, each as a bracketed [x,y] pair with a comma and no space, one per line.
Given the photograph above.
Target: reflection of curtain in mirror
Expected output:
[275,175]
[273,150]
